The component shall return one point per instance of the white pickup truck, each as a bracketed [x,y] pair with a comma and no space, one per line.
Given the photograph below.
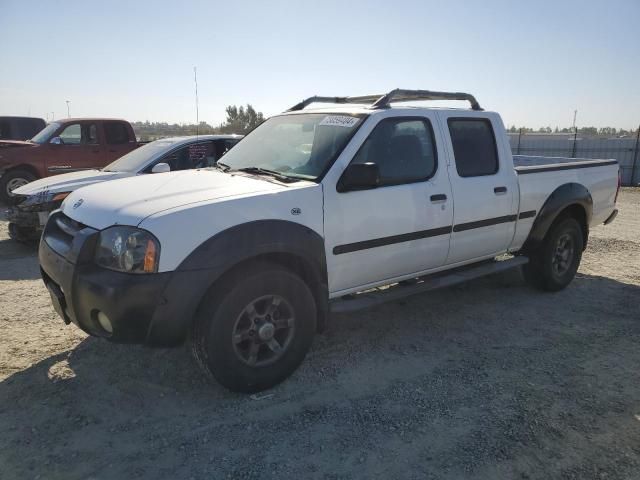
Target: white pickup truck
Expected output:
[309,214]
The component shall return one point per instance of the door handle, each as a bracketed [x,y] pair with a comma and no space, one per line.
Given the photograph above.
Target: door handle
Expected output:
[500,190]
[438,198]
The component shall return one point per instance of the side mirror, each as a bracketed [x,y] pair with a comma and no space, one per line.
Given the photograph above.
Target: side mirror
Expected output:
[56,141]
[161,168]
[359,176]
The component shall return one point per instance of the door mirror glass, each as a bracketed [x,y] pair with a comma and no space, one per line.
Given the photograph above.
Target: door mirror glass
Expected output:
[56,141]
[161,168]
[359,176]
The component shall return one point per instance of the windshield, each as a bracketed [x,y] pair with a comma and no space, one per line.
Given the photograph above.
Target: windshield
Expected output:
[137,159]
[297,146]
[45,133]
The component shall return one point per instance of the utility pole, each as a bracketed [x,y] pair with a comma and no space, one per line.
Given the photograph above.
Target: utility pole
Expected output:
[575,134]
[68,116]
[195,80]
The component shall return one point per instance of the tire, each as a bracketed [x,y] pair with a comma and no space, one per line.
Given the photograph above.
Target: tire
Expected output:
[553,266]
[233,332]
[11,180]
[27,235]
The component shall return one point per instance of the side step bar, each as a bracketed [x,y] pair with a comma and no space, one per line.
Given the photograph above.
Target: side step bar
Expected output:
[372,298]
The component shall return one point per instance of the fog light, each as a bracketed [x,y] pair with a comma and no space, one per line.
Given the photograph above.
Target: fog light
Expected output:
[105,323]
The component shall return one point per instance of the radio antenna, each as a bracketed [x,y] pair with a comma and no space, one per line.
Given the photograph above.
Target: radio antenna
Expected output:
[195,80]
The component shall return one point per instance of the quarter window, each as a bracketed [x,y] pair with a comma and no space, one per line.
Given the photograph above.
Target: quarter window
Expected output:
[404,150]
[116,133]
[474,146]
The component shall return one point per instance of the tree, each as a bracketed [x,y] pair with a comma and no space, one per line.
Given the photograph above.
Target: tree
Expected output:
[241,120]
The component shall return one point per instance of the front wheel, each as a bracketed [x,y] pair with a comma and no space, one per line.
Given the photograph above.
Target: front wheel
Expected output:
[256,329]
[555,263]
[10,181]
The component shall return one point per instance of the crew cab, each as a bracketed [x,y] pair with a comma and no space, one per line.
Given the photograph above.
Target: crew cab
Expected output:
[36,200]
[63,146]
[309,214]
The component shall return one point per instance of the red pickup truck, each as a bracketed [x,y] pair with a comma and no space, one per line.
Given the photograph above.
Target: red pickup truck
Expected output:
[63,146]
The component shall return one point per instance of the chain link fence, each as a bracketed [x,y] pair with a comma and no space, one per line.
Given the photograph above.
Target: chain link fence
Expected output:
[625,149]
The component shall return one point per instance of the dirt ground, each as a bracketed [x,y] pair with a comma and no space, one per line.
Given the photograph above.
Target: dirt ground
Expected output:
[487,380]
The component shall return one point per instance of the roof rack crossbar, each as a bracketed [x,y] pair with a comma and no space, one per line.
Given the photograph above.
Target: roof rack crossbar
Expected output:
[397,95]
[400,95]
[343,100]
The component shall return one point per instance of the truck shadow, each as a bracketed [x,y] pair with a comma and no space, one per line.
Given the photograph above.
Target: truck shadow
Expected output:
[19,262]
[131,399]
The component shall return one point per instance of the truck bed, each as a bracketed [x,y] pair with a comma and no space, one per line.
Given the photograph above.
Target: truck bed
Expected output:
[534,163]
[539,176]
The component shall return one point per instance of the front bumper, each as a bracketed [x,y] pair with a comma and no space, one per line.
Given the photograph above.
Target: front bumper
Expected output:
[137,305]
[23,219]
[611,217]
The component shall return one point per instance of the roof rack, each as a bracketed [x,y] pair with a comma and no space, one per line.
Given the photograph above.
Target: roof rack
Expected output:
[397,95]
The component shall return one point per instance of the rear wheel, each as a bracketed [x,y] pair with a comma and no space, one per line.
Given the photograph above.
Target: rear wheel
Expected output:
[10,181]
[255,331]
[555,263]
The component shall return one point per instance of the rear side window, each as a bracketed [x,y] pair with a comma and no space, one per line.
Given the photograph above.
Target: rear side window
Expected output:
[474,146]
[116,133]
[403,148]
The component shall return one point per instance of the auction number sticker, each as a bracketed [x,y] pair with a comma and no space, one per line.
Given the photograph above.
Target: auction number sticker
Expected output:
[339,121]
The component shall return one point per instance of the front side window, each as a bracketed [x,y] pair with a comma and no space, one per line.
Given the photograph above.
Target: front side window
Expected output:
[403,148]
[80,134]
[298,145]
[474,146]
[197,155]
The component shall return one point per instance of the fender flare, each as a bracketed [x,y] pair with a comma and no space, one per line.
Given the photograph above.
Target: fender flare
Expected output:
[562,197]
[288,243]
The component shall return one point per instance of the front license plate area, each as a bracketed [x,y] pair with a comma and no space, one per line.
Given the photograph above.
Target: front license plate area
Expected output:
[42,218]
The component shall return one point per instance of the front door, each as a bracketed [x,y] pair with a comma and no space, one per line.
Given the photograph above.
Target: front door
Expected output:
[401,227]
[79,149]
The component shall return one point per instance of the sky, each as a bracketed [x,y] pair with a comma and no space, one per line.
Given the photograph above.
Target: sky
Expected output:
[533,62]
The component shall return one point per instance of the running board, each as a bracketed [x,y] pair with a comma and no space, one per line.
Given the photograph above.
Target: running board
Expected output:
[372,298]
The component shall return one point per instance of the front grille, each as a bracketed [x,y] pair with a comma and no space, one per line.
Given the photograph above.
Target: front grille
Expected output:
[68,225]
[60,232]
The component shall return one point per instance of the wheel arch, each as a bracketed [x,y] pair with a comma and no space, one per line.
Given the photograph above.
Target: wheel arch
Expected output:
[23,166]
[285,243]
[568,200]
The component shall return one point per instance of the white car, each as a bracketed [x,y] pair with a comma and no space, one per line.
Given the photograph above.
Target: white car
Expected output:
[38,199]
[310,213]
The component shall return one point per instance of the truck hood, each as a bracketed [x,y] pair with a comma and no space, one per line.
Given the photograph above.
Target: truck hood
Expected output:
[16,143]
[129,201]
[68,182]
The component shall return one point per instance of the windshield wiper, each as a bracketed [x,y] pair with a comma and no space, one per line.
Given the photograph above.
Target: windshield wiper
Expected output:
[272,173]
[222,166]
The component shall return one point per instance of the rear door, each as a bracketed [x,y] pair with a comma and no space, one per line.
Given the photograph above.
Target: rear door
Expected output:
[401,227]
[116,140]
[484,186]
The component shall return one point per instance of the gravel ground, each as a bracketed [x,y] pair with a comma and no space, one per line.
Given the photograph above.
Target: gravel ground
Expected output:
[487,380]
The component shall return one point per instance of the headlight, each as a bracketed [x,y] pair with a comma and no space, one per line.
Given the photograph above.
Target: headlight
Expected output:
[128,249]
[44,199]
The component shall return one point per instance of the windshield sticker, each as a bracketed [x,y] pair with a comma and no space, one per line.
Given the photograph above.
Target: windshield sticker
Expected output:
[339,121]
